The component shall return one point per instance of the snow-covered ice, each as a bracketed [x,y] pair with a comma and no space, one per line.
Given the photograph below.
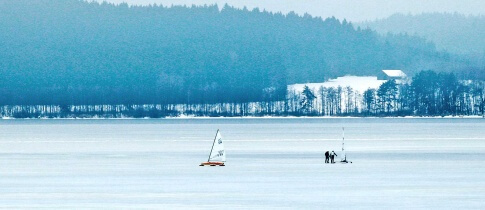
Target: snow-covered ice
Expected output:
[271,164]
[358,83]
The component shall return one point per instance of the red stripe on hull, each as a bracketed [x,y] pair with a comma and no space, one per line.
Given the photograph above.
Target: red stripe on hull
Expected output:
[212,164]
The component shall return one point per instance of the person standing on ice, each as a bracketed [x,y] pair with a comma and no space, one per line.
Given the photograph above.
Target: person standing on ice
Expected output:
[332,156]
[327,156]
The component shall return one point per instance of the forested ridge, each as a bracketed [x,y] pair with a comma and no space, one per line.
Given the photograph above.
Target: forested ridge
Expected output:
[456,33]
[70,52]
[75,52]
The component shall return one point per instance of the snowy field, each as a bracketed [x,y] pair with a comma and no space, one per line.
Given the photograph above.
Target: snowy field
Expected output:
[271,164]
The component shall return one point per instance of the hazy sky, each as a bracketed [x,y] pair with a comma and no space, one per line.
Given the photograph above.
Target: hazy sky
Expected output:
[354,10]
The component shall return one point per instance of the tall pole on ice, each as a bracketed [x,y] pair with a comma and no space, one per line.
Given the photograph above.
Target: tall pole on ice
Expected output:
[343,144]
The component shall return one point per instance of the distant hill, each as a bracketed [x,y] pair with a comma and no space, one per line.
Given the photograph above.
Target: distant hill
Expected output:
[77,52]
[455,33]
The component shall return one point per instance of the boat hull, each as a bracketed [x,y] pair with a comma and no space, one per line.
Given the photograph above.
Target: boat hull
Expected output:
[212,164]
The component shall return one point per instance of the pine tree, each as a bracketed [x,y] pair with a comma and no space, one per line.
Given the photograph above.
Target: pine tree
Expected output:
[307,100]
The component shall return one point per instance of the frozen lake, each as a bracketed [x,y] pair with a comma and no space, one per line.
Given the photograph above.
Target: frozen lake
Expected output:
[271,164]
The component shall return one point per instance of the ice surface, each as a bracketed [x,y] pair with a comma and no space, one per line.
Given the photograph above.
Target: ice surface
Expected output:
[271,164]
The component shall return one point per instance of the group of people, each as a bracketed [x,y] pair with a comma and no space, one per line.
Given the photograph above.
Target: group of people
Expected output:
[330,157]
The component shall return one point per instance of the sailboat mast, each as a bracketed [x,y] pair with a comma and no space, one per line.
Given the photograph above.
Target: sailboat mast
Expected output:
[343,144]
[208,160]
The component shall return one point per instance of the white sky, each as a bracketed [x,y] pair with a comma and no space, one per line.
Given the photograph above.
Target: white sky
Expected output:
[354,10]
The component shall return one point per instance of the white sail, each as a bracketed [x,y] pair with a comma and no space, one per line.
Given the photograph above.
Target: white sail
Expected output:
[217,152]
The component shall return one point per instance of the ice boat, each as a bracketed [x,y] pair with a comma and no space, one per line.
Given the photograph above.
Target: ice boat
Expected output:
[217,156]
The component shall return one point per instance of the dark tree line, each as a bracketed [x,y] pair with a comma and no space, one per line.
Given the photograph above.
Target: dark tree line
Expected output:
[79,55]
[427,94]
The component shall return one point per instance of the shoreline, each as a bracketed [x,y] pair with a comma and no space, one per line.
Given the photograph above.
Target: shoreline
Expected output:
[251,117]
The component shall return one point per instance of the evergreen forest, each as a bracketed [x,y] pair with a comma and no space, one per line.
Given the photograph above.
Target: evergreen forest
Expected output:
[70,58]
